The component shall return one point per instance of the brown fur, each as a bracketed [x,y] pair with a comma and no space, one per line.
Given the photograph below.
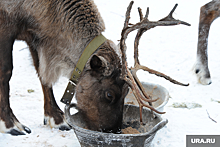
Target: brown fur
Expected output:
[57,31]
[208,13]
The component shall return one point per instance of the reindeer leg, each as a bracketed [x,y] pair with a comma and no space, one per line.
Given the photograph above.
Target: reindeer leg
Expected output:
[8,122]
[53,116]
[208,13]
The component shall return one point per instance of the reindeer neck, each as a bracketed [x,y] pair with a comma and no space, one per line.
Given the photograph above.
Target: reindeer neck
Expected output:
[88,51]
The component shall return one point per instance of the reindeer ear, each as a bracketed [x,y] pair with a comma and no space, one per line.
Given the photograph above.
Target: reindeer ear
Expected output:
[101,65]
[96,63]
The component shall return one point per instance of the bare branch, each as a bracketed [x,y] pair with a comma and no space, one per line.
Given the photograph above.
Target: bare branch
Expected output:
[210,117]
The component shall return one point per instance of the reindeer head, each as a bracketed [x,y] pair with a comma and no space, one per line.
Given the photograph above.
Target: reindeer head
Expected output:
[101,90]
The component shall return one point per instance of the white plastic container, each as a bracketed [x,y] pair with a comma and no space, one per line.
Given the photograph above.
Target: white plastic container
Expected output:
[155,91]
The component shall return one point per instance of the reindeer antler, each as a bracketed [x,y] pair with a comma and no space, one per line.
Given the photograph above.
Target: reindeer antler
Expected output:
[129,75]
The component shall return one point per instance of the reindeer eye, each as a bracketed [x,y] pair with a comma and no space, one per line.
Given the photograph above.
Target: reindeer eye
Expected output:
[109,95]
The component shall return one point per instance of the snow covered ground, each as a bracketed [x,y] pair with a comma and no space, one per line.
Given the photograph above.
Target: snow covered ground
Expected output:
[171,50]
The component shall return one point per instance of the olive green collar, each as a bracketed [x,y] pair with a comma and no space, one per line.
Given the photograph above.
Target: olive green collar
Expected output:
[89,50]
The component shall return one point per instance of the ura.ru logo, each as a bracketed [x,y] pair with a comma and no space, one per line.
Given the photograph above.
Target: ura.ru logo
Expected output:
[203,141]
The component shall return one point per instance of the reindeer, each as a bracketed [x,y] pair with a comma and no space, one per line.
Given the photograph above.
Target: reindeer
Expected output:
[57,32]
[208,13]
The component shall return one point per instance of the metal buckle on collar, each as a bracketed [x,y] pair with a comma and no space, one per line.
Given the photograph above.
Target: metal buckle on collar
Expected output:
[72,82]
